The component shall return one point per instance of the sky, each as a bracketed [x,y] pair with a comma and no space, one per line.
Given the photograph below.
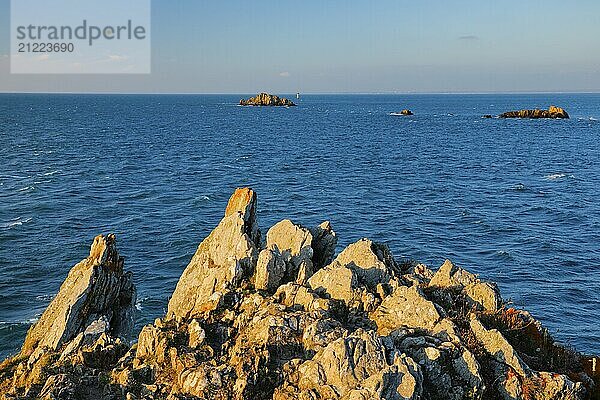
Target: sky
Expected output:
[356,46]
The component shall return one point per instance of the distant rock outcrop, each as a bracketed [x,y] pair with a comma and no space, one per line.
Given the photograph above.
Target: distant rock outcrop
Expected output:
[404,112]
[551,112]
[265,99]
[285,320]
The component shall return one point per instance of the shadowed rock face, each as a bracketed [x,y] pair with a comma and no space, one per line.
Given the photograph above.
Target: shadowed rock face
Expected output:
[265,99]
[551,112]
[284,320]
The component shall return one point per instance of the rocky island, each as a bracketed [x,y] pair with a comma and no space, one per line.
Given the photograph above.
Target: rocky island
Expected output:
[403,112]
[551,112]
[265,99]
[283,317]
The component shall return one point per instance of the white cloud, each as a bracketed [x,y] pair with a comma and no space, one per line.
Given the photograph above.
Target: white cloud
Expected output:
[468,37]
[115,57]
[43,57]
[284,74]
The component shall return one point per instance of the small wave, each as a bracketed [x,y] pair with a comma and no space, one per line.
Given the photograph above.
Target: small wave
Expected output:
[13,323]
[593,119]
[138,305]
[44,297]
[504,254]
[26,189]
[553,177]
[14,223]
[51,173]
[519,187]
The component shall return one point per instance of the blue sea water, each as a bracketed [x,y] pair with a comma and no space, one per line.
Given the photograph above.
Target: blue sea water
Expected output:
[513,200]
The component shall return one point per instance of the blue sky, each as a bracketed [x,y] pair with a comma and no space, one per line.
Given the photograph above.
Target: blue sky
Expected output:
[235,46]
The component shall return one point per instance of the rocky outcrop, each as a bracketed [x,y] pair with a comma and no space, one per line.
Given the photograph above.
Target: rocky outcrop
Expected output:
[356,275]
[96,294]
[405,307]
[405,112]
[285,319]
[88,322]
[481,295]
[294,243]
[356,366]
[293,253]
[265,99]
[551,112]
[221,261]
[323,244]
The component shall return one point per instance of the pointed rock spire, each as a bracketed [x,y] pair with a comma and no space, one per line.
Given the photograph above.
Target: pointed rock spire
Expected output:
[96,288]
[226,256]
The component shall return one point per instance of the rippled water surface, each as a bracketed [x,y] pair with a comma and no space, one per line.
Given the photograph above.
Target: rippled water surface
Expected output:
[513,200]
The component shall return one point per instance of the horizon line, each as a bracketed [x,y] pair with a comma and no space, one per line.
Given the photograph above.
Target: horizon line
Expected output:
[293,93]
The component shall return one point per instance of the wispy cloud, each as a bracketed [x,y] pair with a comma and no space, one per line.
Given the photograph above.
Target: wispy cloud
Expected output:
[284,74]
[43,57]
[468,37]
[117,58]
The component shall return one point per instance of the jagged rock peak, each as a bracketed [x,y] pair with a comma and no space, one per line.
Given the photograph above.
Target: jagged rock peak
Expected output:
[95,288]
[294,253]
[222,261]
[293,242]
[104,251]
[244,201]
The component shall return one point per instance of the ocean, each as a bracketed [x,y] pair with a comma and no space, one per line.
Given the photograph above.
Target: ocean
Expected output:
[515,201]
